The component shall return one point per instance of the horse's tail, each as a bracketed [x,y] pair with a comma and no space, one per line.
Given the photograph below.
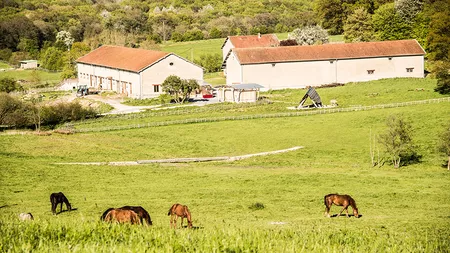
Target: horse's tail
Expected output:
[105,213]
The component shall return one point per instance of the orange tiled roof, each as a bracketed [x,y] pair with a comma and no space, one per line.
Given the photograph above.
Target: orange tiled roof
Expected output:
[131,59]
[328,51]
[265,40]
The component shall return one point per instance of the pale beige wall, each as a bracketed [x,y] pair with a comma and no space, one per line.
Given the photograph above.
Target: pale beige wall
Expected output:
[355,70]
[316,73]
[232,95]
[233,70]
[289,75]
[157,73]
[120,79]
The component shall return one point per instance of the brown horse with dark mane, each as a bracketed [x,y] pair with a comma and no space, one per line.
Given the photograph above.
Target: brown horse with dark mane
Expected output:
[142,214]
[122,216]
[59,198]
[178,210]
[340,200]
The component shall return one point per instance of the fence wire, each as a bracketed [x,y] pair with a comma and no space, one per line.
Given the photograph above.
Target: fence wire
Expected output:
[263,116]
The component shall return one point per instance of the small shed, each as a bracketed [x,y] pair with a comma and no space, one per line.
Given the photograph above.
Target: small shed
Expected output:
[28,64]
[238,93]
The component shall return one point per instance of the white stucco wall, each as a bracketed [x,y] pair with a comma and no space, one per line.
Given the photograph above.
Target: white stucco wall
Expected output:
[157,73]
[316,73]
[233,70]
[117,80]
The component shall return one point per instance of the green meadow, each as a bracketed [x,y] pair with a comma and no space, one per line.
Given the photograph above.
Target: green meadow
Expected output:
[402,210]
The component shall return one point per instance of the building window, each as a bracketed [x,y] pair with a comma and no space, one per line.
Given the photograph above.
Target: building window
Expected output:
[156,88]
[409,70]
[331,61]
[171,64]
[370,71]
[273,64]
[390,58]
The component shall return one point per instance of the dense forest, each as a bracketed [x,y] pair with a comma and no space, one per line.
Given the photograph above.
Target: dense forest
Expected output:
[58,31]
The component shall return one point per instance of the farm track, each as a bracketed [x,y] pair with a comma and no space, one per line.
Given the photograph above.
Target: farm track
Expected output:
[261,116]
[186,160]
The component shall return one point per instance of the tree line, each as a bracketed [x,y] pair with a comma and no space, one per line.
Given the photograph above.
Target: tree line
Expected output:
[57,33]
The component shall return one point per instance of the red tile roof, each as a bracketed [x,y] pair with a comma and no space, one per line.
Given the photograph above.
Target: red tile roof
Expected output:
[328,51]
[265,40]
[131,59]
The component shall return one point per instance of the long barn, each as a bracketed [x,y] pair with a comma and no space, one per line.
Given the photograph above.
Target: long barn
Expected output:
[302,66]
[136,73]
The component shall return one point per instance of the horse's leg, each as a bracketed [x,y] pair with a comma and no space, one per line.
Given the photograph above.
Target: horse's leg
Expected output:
[342,210]
[327,211]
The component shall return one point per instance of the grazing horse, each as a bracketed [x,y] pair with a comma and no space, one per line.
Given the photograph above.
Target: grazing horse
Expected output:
[178,210]
[122,216]
[141,213]
[59,198]
[340,200]
[26,216]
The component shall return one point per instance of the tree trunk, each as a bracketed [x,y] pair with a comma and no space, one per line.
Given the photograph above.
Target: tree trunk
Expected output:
[448,163]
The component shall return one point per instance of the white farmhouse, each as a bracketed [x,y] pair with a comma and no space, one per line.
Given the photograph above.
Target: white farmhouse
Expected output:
[302,66]
[137,73]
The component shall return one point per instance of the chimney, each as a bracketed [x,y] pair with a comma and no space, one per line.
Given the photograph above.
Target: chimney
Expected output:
[259,35]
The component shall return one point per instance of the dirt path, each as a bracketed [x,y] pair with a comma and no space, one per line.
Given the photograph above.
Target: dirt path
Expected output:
[186,160]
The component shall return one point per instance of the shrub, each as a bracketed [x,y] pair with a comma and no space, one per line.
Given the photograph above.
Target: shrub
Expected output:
[8,85]
[53,115]
[13,112]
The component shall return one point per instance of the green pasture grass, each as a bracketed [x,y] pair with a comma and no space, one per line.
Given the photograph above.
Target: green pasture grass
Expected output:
[215,79]
[384,91]
[403,210]
[46,78]
[4,65]
[192,50]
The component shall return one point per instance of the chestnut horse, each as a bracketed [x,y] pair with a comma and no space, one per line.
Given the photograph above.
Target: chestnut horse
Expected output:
[122,216]
[340,200]
[141,213]
[178,210]
[59,198]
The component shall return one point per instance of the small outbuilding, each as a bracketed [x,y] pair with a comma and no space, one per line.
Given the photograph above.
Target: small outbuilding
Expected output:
[238,93]
[28,64]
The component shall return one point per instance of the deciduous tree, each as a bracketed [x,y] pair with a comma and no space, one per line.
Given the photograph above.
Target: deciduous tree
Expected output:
[179,88]
[398,141]
[309,35]
[358,26]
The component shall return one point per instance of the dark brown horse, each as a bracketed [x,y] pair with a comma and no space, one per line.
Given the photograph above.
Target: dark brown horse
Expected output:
[122,216]
[59,198]
[340,200]
[178,210]
[141,212]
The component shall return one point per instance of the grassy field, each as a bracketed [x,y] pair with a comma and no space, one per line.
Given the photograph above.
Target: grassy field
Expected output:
[33,78]
[403,210]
